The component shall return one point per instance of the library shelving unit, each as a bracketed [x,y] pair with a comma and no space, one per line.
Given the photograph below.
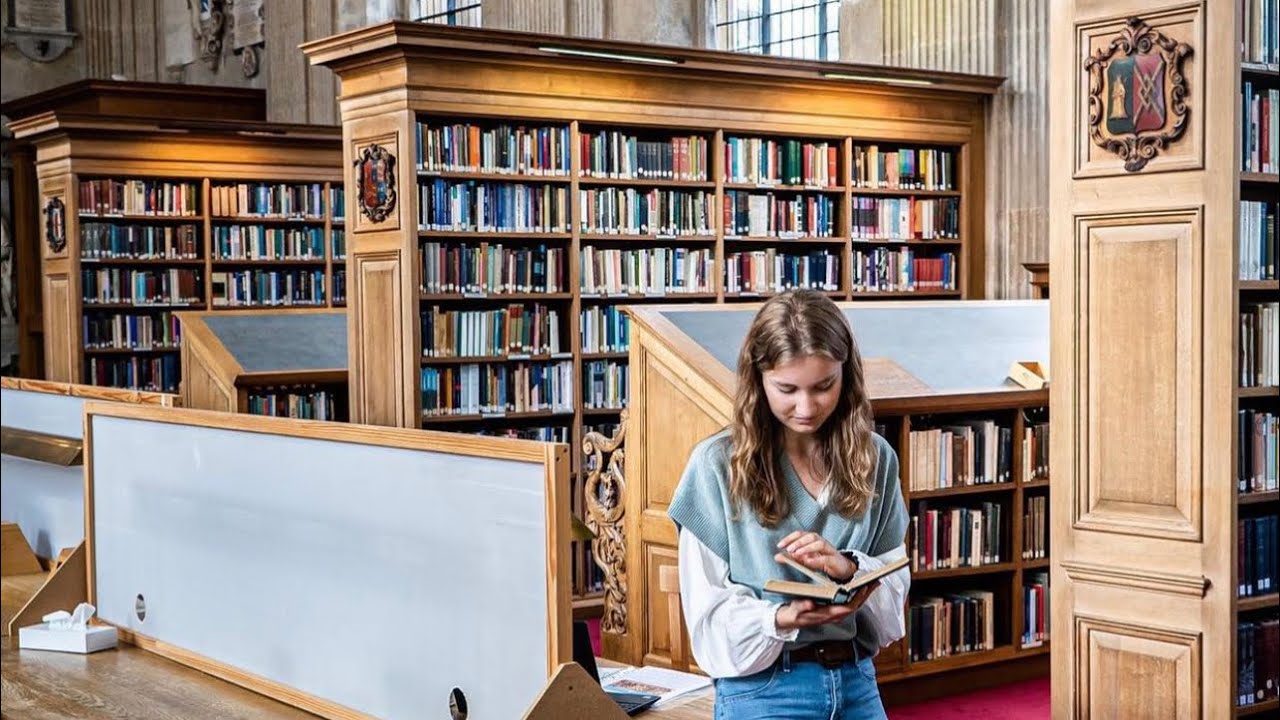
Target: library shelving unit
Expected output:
[286,363]
[538,184]
[108,98]
[142,218]
[972,450]
[1163,190]
[1257,390]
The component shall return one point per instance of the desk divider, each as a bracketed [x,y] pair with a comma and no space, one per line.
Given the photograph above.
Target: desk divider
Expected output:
[351,571]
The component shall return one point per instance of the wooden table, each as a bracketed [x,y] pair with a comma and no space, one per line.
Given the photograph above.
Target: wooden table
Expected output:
[131,683]
[699,705]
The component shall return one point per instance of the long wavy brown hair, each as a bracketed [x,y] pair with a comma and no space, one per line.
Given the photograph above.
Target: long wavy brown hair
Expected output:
[792,325]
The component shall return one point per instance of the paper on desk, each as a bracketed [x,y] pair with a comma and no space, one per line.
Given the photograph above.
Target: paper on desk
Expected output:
[666,684]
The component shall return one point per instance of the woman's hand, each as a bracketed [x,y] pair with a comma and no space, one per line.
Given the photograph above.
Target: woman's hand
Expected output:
[814,552]
[806,613]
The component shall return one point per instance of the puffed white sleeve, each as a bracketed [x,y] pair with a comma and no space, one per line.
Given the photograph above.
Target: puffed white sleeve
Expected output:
[883,609]
[733,633]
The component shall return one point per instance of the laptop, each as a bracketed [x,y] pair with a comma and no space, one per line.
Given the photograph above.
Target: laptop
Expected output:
[584,655]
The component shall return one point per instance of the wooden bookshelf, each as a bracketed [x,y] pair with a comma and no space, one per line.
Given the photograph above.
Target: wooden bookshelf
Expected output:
[126,182]
[500,82]
[682,360]
[1256,493]
[1147,537]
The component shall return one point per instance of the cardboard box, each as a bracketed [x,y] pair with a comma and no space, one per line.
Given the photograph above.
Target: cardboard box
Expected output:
[84,640]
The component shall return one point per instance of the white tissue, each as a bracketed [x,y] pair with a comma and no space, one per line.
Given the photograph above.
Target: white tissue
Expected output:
[63,620]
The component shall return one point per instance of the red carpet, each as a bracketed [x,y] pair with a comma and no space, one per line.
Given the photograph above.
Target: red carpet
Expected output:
[1027,700]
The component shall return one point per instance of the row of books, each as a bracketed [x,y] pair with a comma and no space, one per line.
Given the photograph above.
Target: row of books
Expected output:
[645,271]
[153,373]
[258,242]
[1257,240]
[497,389]
[1259,332]
[141,287]
[339,286]
[337,203]
[501,148]
[543,433]
[905,218]
[1258,134]
[138,242]
[268,288]
[303,201]
[118,331]
[1258,661]
[965,452]
[604,329]
[107,196]
[493,269]
[770,161]
[1035,527]
[1260,37]
[339,240]
[604,384]
[618,155]
[1256,556]
[885,270]
[632,211]
[492,207]
[749,214]
[956,537]
[513,330]
[307,403]
[770,271]
[953,624]
[1035,446]
[1035,609]
[904,168]
[1258,460]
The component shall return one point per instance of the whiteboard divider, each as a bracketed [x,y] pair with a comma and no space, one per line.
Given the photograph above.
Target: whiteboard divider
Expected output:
[553,457]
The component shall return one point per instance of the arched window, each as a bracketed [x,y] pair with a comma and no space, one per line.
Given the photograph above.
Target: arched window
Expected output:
[788,28]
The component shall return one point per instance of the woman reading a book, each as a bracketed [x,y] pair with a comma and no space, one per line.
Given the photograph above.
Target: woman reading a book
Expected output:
[798,480]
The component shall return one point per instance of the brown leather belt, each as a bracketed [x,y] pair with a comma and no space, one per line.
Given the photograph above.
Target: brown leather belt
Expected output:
[829,654]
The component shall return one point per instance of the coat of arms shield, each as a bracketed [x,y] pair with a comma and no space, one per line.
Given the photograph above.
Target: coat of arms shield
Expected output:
[375,182]
[1137,93]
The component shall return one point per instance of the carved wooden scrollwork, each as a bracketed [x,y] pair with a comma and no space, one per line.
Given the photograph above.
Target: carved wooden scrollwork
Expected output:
[604,489]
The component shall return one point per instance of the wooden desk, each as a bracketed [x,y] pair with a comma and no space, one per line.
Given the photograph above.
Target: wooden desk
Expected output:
[121,683]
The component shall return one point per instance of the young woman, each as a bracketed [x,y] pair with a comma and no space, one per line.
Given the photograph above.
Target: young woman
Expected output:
[800,472]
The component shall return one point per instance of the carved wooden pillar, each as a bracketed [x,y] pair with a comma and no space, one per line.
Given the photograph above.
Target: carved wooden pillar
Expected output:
[604,490]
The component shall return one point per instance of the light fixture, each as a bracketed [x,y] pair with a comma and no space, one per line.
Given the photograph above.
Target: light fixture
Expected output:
[610,55]
[876,79]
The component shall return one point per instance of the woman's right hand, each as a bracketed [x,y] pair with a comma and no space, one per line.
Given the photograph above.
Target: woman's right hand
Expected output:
[806,613]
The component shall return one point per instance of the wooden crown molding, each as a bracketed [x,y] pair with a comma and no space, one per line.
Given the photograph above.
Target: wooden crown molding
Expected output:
[392,40]
[52,121]
[96,94]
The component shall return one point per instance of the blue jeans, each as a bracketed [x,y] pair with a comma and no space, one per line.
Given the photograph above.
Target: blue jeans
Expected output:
[802,691]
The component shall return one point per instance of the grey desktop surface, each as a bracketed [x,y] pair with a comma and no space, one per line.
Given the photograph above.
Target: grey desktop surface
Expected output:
[964,346]
[294,341]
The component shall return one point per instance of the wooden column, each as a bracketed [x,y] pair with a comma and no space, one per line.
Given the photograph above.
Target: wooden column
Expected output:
[1143,527]
[382,274]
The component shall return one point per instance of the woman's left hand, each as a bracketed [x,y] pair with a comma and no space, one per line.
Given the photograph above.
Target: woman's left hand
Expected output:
[812,550]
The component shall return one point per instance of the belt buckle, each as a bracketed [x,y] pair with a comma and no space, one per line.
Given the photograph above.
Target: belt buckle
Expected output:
[829,659]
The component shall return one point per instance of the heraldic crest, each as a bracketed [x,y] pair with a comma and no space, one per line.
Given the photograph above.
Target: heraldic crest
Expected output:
[1137,93]
[376,182]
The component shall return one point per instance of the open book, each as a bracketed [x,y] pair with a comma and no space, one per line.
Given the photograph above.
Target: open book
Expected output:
[823,588]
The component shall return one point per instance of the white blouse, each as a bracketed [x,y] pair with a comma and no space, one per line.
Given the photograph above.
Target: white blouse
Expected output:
[734,633]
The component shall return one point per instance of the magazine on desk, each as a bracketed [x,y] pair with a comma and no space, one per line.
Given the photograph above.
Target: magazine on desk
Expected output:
[667,684]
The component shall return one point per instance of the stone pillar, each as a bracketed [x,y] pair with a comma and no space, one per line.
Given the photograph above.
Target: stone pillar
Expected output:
[862,31]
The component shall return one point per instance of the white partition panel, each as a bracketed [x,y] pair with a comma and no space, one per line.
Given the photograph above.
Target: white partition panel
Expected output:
[49,413]
[374,577]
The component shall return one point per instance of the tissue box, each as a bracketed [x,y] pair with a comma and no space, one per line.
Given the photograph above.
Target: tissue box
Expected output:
[81,640]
